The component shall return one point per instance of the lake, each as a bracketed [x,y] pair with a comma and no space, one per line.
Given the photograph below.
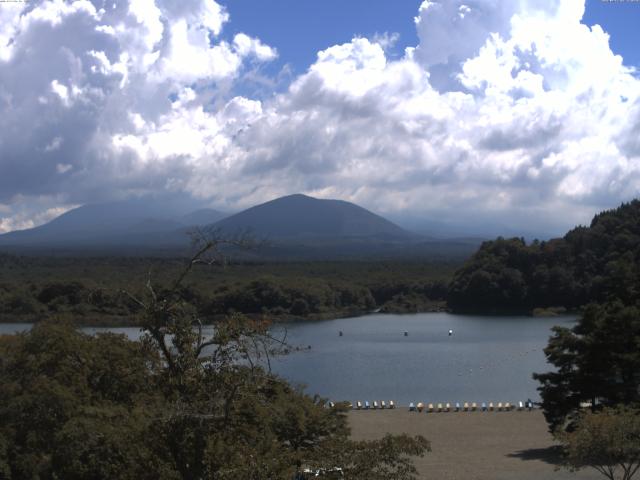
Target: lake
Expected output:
[485,359]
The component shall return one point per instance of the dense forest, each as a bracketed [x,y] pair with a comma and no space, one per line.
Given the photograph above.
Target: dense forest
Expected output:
[598,263]
[96,290]
[177,404]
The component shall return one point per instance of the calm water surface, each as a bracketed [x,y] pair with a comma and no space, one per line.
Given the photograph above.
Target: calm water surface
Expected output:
[486,359]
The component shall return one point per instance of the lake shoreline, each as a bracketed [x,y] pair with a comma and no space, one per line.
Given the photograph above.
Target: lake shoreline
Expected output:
[434,307]
[119,322]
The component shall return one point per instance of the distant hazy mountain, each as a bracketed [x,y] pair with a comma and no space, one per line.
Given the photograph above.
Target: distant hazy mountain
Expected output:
[299,216]
[153,221]
[297,227]
[204,216]
[470,228]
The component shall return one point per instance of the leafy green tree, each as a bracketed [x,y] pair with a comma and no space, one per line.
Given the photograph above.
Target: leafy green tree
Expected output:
[607,441]
[184,402]
[389,458]
[59,387]
[598,263]
[228,416]
[597,363]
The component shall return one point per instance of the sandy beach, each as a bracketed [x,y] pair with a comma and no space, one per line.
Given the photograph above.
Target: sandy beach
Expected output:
[473,445]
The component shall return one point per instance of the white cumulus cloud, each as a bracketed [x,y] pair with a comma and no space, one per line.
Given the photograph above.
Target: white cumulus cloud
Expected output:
[505,109]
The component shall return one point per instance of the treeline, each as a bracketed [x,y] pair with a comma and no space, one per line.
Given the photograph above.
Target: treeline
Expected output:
[98,291]
[599,263]
[303,297]
[178,403]
[271,295]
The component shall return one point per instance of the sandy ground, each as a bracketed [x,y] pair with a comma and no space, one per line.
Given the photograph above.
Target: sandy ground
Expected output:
[473,445]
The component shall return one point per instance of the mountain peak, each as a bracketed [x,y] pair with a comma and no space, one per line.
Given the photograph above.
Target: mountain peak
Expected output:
[300,215]
[147,223]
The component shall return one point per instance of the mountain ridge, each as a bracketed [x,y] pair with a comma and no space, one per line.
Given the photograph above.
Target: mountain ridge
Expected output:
[296,227]
[299,216]
[112,223]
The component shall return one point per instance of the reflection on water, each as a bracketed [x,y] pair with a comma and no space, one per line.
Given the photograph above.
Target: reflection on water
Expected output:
[485,359]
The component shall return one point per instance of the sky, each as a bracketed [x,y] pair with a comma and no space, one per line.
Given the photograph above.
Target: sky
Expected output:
[523,113]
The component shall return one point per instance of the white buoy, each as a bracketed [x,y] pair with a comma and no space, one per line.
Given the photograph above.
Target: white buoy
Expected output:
[450,332]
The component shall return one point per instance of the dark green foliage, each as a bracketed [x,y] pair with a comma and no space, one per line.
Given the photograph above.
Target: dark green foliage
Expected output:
[89,290]
[282,296]
[71,293]
[607,441]
[70,399]
[597,362]
[178,404]
[79,407]
[599,263]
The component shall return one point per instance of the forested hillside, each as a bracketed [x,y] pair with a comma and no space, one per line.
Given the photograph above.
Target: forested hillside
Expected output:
[597,263]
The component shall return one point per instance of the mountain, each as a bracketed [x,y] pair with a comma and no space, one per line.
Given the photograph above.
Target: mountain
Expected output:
[302,217]
[203,216]
[147,221]
[296,227]
[299,227]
